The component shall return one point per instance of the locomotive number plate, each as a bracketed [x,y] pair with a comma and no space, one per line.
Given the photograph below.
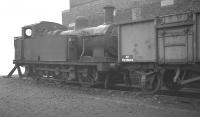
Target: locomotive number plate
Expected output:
[127,58]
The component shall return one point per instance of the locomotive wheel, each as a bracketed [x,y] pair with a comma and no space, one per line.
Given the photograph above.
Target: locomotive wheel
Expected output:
[29,71]
[87,78]
[35,76]
[152,84]
[38,75]
[84,83]
[57,76]
[107,82]
[32,73]
[168,80]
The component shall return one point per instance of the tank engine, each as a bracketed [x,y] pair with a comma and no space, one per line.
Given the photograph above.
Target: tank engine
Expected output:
[145,53]
[82,55]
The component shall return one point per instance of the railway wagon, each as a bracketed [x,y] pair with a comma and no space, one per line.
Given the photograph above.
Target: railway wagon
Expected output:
[81,56]
[164,50]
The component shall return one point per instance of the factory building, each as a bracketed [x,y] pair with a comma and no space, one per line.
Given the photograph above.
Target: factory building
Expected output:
[124,10]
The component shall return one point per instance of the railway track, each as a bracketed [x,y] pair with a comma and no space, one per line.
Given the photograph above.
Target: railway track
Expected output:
[187,93]
[187,97]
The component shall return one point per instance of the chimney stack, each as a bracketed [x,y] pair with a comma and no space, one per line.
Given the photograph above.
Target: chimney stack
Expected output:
[109,14]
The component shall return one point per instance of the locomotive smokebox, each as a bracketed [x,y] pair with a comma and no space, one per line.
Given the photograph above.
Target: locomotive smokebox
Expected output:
[81,22]
[109,14]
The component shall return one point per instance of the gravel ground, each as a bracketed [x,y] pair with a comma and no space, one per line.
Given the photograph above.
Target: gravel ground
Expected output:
[26,98]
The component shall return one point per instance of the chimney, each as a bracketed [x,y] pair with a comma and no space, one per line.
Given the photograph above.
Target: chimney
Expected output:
[81,22]
[109,14]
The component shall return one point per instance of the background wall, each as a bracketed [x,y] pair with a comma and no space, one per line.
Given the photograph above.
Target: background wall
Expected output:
[126,10]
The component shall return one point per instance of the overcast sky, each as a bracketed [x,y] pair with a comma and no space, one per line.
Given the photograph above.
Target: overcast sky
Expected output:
[16,13]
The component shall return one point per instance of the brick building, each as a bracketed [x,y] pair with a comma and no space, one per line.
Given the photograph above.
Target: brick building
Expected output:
[126,10]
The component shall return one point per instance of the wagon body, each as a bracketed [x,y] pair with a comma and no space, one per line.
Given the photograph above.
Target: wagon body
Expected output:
[137,42]
[170,39]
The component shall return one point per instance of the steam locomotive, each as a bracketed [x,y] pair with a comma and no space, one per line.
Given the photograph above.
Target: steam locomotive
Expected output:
[147,53]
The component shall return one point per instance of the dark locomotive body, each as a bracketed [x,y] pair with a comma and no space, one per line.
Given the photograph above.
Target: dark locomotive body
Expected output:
[145,53]
[68,55]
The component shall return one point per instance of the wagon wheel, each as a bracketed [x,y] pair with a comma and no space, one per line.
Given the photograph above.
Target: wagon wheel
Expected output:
[152,84]
[168,80]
